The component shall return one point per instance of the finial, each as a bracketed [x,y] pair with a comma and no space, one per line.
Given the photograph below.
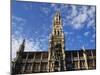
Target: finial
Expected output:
[58,13]
[23,41]
[22,46]
[83,48]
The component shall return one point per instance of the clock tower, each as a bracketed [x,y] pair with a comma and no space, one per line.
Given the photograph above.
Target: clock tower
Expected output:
[56,53]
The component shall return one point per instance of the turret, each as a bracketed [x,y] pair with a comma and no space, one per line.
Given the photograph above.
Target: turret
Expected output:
[22,46]
[56,56]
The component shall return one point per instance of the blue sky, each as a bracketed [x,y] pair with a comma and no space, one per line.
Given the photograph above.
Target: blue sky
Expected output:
[33,21]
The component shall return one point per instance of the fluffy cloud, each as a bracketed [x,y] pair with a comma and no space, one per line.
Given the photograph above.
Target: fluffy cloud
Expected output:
[46,10]
[80,15]
[15,45]
[28,7]
[31,44]
[86,33]
[17,25]
[76,18]
[93,36]
[76,15]
[74,11]
[77,21]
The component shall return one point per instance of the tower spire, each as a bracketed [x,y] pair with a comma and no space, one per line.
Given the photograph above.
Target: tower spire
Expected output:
[57,18]
[22,46]
[20,51]
[57,24]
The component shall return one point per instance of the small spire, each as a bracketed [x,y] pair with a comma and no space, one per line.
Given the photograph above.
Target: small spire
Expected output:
[23,42]
[83,48]
[57,17]
[22,46]
[57,13]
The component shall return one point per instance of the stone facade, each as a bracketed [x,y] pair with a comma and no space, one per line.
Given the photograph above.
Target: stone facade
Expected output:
[37,62]
[57,58]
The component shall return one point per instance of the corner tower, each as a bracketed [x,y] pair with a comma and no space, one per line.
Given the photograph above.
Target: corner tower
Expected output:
[20,51]
[56,53]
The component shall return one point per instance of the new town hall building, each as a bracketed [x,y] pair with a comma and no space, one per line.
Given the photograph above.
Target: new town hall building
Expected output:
[56,58]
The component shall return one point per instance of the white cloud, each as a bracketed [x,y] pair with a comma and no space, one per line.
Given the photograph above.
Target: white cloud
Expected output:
[86,33]
[93,36]
[28,7]
[17,25]
[17,28]
[30,45]
[61,7]
[54,6]
[79,15]
[15,45]
[92,41]
[46,10]
[91,23]
[68,33]
[74,11]
[77,21]
[91,11]
[17,37]
[17,19]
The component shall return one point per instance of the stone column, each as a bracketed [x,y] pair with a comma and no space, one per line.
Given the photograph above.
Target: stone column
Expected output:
[78,60]
[85,58]
[72,57]
[92,58]
[25,63]
[41,61]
